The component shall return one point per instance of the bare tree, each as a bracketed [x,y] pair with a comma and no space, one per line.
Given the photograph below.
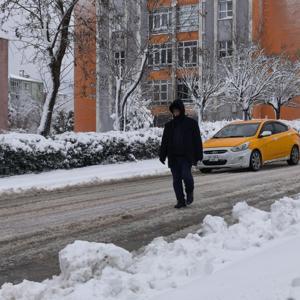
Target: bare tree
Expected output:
[249,74]
[122,54]
[203,87]
[286,87]
[127,80]
[46,26]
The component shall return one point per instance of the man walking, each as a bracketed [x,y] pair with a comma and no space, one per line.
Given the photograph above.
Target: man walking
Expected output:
[182,145]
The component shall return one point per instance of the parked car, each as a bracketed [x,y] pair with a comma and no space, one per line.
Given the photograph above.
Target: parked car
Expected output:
[251,144]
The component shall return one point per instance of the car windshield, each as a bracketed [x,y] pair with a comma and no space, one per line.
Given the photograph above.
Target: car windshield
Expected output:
[237,130]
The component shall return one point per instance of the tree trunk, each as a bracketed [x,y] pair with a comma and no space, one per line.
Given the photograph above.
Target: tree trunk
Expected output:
[117,123]
[45,125]
[56,56]
[134,85]
[200,115]
[278,112]
[246,114]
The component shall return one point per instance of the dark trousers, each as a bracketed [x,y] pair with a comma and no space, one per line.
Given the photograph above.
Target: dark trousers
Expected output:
[182,172]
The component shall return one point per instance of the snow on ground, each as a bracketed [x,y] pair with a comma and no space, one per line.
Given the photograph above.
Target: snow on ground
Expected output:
[272,273]
[255,259]
[95,174]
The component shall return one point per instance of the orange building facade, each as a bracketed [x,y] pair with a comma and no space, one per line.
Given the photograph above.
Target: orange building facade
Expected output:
[274,24]
[175,38]
[85,71]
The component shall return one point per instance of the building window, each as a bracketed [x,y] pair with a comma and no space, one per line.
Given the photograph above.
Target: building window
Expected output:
[117,22]
[120,58]
[15,85]
[188,18]
[160,55]
[225,49]
[183,92]
[161,91]
[160,20]
[225,9]
[188,54]
[26,86]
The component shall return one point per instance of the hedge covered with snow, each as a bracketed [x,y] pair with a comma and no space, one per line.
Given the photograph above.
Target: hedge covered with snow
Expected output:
[26,153]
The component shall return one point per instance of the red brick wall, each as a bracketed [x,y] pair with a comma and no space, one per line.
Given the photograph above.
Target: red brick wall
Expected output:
[3,84]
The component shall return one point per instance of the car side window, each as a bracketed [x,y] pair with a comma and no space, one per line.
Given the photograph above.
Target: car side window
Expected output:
[279,127]
[268,127]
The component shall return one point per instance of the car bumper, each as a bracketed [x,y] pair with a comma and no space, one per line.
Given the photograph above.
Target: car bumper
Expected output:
[219,158]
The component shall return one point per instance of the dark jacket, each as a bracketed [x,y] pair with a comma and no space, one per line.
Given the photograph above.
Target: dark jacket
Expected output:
[191,147]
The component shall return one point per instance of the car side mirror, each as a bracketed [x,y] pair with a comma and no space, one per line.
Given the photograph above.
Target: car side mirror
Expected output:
[266,133]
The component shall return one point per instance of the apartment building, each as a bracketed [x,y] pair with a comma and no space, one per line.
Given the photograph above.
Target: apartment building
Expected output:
[109,46]
[23,86]
[175,40]
[3,84]
[178,31]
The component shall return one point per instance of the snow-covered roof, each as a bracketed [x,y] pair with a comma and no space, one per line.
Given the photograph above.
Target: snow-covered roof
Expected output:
[17,77]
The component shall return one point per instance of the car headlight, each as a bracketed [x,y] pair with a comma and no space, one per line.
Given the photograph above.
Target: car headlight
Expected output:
[242,147]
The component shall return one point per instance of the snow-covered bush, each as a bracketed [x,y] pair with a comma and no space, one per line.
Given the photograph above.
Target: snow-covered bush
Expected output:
[24,153]
[138,113]
[63,122]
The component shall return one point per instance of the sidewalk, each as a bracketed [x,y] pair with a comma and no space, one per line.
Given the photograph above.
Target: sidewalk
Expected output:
[89,175]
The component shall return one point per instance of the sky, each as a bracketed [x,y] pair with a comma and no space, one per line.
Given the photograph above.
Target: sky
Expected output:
[17,58]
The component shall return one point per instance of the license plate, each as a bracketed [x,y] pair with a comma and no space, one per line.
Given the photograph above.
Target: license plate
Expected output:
[214,158]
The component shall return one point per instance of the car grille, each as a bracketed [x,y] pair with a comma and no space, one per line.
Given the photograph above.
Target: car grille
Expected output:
[215,163]
[215,151]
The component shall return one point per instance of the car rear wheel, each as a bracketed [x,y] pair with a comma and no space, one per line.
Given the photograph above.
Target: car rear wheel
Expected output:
[205,171]
[294,157]
[255,161]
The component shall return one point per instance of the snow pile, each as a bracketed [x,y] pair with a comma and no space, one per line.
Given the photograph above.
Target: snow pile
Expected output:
[98,271]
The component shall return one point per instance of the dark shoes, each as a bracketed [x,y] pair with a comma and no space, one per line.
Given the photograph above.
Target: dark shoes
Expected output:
[180,205]
[189,201]
[189,198]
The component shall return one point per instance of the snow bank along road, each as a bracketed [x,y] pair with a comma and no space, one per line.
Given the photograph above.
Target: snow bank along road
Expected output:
[35,226]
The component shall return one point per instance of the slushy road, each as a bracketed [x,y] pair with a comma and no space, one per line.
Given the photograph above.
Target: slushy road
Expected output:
[35,226]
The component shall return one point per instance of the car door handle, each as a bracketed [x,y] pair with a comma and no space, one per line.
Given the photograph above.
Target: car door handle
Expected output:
[275,139]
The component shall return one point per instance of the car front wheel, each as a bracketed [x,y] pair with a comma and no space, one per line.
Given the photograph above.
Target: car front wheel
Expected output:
[255,161]
[294,157]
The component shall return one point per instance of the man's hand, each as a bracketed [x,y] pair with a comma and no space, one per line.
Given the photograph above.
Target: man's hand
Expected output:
[162,161]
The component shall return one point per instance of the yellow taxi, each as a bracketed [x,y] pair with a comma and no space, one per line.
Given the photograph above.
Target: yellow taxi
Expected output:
[251,144]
